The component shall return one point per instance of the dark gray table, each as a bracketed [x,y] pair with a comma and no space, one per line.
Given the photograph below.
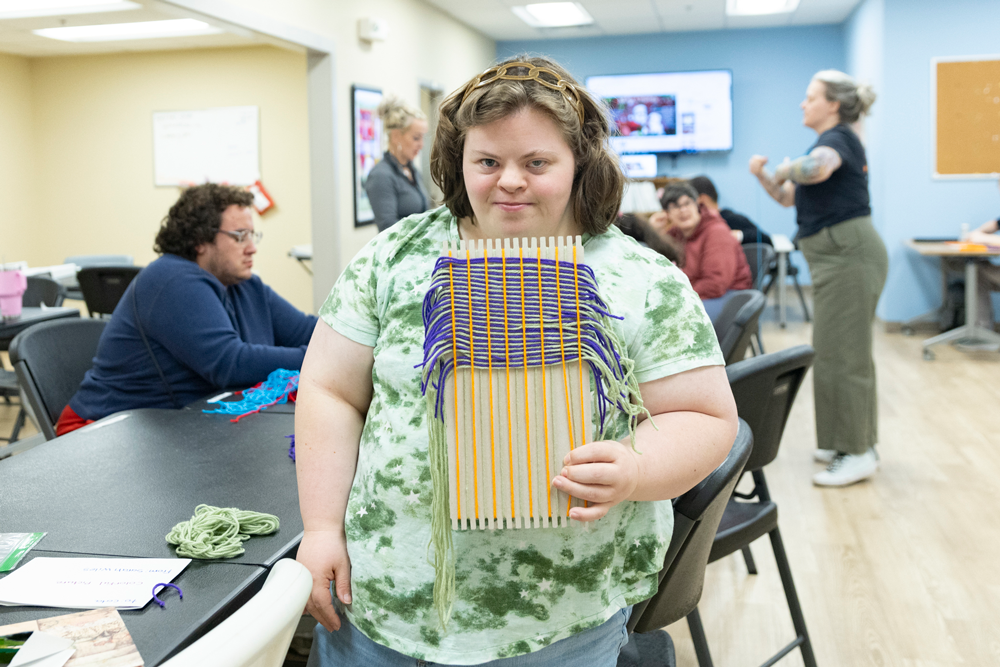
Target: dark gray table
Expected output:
[30,316]
[118,489]
[212,591]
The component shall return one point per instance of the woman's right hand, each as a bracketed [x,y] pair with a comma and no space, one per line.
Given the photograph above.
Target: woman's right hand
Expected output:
[757,163]
[324,553]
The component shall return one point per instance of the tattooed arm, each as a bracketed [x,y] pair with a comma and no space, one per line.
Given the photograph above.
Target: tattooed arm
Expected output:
[810,169]
[781,191]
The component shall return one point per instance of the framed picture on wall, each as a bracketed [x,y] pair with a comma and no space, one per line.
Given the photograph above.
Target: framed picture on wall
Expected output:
[366,133]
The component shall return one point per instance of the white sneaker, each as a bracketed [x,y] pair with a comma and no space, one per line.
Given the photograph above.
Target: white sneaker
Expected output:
[824,455]
[846,469]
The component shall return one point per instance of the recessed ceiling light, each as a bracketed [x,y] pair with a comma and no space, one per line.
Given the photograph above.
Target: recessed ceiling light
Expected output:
[120,31]
[758,7]
[17,9]
[553,14]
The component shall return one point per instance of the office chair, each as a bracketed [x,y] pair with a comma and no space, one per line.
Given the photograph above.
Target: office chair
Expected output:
[737,324]
[764,388]
[83,261]
[696,519]
[50,360]
[42,290]
[103,286]
[259,632]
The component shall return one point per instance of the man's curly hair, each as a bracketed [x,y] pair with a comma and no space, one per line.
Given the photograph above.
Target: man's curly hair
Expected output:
[195,218]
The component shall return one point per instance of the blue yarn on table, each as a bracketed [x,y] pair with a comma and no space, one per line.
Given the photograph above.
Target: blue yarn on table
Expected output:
[273,391]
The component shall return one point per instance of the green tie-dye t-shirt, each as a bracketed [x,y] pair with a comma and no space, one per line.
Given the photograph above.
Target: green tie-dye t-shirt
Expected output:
[518,590]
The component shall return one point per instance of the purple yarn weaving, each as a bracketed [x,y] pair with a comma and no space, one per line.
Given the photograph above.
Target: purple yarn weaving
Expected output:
[519,317]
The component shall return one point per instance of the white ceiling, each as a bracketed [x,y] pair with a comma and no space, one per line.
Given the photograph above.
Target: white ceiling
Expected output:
[493,18]
[16,36]
[625,17]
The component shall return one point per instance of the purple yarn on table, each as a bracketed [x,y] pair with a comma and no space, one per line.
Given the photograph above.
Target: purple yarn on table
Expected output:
[291,447]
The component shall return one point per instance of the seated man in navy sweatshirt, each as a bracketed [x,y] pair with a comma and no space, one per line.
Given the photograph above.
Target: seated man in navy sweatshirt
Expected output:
[194,321]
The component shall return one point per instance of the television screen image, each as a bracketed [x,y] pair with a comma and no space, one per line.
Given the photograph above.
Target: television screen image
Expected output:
[643,115]
[668,112]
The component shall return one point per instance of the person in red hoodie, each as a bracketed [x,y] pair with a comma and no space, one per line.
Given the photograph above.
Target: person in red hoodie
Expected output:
[713,259]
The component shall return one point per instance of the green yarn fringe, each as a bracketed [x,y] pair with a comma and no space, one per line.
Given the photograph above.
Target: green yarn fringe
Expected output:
[219,532]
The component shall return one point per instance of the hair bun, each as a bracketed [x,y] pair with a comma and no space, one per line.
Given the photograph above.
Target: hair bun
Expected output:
[866,96]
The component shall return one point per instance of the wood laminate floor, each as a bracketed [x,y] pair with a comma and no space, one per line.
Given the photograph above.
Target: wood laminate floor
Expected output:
[901,570]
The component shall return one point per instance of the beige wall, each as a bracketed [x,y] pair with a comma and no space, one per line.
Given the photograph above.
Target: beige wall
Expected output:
[424,45]
[94,191]
[80,129]
[17,213]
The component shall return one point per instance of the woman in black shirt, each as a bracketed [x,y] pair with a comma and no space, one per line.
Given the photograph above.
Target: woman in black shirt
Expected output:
[847,259]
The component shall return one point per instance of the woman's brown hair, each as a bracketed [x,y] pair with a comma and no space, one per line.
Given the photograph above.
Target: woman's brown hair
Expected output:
[532,82]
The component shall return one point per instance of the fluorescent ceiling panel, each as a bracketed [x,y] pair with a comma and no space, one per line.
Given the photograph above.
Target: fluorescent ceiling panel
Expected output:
[19,9]
[122,31]
[553,14]
[759,7]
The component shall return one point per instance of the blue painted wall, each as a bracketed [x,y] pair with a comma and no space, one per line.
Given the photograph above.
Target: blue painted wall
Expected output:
[889,43]
[914,203]
[771,69]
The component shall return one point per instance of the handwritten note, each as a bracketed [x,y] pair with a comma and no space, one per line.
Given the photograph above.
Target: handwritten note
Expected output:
[88,583]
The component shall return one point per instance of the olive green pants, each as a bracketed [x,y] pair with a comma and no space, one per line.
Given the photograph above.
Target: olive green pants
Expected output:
[848,264]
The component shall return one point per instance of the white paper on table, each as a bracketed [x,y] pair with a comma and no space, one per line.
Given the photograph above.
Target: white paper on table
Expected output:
[88,583]
[43,650]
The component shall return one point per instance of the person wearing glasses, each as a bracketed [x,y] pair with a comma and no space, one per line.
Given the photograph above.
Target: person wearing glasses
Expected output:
[714,260]
[194,321]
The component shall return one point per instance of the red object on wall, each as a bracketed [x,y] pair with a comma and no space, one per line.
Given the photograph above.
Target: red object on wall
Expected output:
[262,201]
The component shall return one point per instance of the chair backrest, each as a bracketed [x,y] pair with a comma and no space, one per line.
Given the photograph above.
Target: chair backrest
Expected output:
[100,260]
[50,359]
[760,257]
[258,633]
[765,387]
[737,323]
[696,518]
[103,286]
[43,290]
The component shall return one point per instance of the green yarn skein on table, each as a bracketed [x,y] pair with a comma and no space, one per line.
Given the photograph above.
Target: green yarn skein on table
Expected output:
[219,532]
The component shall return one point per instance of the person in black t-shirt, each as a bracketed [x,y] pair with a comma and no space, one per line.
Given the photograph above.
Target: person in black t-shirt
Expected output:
[848,262]
[708,197]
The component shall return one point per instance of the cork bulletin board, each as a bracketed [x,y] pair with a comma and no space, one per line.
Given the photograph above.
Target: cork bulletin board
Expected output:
[966,106]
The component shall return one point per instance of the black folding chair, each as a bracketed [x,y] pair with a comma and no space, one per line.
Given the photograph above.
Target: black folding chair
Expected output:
[696,518]
[50,360]
[103,286]
[737,324]
[764,388]
[42,290]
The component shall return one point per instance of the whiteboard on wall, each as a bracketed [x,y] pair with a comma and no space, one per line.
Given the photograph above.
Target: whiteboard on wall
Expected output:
[965,116]
[218,145]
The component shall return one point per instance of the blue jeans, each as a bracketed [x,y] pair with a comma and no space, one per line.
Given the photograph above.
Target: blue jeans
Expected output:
[596,647]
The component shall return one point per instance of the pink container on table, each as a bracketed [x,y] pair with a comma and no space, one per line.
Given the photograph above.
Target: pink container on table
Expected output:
[12,287]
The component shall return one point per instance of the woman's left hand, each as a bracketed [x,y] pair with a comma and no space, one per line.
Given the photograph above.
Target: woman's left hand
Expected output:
[603,473]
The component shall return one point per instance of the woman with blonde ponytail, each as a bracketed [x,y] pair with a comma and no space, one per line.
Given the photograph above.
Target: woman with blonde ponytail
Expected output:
[847,259]
[394,187]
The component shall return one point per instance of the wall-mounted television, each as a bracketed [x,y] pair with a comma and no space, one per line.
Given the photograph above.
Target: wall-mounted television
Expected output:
[668,112]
